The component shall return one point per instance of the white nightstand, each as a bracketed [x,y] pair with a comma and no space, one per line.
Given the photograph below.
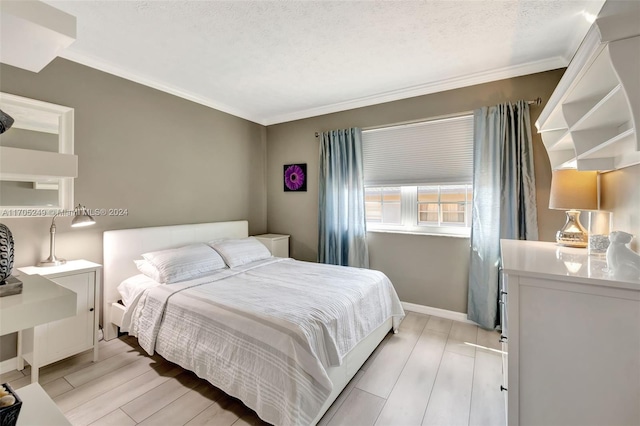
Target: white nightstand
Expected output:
[278,244]
[63,338]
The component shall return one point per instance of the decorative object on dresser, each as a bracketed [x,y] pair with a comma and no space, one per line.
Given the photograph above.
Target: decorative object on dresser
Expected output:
[573,190]
[75,333]
[622,262]
[10,405]
[81,218]
[8,285]
[295,177]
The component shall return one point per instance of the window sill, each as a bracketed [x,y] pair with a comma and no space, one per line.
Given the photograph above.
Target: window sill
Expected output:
[428,234]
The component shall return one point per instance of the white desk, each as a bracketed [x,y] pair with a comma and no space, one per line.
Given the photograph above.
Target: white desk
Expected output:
[38,409]
[40,302]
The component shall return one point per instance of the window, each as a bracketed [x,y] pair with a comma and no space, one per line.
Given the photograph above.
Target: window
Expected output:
[418,176]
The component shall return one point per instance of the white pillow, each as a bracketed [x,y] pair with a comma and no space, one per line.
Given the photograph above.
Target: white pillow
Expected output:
[240,251]
[148,269]
[184,263]
[130,288]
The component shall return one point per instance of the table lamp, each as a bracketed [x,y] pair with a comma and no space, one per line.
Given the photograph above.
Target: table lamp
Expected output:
[573,190]
[80,218]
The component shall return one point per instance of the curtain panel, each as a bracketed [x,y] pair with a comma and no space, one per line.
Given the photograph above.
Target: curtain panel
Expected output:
[504,200]
[341,216]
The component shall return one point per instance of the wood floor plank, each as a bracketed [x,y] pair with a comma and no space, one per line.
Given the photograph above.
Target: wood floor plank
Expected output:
[185,408]
[10,376]
[157,398]
[487,401]
[361,408]
[443,325]
[450,399]
[460,334]
[57,387]
[99,369]
[408,399]
[20,382]
[223,412]
[383,373]
[109,401]
[489,339]
[376,352]
[250,419]
[78,396]
[340,399]
[114,418]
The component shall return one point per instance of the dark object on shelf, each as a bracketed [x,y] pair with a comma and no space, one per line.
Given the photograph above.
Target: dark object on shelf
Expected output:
[5,121]
[9,414]
[10,286]
[6,252]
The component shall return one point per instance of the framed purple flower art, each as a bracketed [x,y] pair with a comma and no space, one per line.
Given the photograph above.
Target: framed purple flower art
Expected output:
[295,177]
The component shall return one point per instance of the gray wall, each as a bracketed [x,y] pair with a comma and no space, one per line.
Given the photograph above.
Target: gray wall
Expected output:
[427,270]
[621,194]
[165,159]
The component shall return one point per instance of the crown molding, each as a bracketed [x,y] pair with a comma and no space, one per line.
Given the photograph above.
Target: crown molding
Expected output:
[424,89]
[155,84]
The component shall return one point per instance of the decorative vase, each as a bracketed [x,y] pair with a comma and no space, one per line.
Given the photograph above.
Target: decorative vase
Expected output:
[623,263]
[6,252]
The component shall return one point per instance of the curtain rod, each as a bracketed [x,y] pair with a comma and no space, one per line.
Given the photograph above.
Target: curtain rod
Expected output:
[536,101]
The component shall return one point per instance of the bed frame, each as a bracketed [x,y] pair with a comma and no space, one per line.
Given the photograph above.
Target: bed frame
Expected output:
[123,246]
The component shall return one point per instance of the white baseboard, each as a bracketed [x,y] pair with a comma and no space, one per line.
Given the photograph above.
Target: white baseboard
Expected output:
[442,313]
[8,365]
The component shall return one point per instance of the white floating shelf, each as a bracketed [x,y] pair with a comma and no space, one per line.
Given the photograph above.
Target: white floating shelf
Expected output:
[591,120]
[28,164]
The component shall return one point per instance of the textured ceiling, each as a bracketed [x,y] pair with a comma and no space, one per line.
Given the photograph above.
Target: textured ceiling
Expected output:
[276,61]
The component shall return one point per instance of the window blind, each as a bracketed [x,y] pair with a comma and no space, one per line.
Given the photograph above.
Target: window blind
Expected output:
[437,151]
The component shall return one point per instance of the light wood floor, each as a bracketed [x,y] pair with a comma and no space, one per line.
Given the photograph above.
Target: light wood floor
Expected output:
[424,375]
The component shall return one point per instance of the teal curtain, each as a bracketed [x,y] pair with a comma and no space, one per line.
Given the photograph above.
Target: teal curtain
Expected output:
[504,200]
[341,217]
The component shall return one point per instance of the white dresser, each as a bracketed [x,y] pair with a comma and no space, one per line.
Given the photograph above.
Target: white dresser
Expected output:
[63,338]
[573,338]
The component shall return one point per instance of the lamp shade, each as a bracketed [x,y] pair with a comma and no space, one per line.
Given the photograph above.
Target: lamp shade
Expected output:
[81,217]
[574,190]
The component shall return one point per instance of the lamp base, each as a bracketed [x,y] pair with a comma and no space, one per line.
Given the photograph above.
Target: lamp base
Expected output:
[572,234]
[52,262]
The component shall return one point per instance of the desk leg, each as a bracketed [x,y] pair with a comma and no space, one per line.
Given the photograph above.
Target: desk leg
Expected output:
[35,364]
[20,359]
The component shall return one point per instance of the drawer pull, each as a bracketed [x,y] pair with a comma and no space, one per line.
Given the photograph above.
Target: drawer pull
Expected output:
[502,292]
[502,339]
[90,309]
[502,388]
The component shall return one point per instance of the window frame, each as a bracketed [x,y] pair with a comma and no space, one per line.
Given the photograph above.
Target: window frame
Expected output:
[409,214]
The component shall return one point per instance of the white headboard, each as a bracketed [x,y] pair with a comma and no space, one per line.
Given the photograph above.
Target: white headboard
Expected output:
[122,247]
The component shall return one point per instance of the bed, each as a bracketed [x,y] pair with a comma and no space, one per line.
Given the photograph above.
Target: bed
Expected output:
[288,372]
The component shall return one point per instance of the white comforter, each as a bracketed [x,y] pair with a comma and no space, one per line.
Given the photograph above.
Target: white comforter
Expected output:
[266,333]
